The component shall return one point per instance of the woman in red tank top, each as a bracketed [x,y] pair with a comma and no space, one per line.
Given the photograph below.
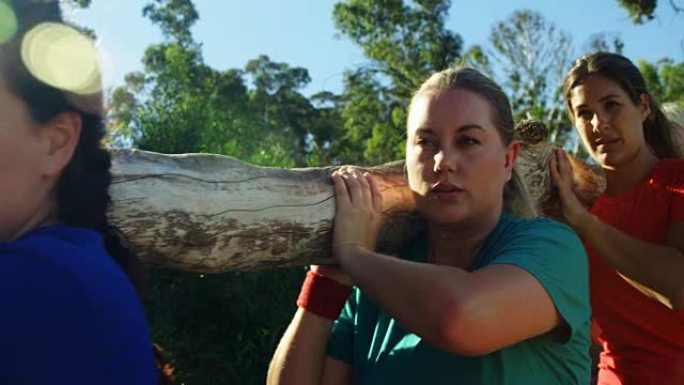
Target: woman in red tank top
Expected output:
[634,233]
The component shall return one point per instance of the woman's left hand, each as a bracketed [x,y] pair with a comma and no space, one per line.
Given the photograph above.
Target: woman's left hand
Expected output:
[358,213]
[561,172]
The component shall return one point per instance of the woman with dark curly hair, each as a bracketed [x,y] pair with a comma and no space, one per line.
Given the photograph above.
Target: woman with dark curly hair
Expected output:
[70,311]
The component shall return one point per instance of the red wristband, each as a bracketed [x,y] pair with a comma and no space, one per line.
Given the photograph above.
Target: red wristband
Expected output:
[323,296]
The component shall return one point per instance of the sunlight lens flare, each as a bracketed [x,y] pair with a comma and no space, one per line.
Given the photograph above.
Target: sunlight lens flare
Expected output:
[8,22]
[62,57]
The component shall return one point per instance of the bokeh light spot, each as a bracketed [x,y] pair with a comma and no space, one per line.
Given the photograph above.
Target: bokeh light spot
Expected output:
[8,22]
[62,57]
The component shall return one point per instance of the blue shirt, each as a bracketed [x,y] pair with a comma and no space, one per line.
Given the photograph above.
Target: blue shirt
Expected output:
[68,313]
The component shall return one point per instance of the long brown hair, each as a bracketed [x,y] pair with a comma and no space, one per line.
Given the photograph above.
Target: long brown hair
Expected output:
[515,194]
[657,128]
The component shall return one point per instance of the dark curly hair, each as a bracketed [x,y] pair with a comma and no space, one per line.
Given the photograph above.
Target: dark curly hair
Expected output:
[82,192]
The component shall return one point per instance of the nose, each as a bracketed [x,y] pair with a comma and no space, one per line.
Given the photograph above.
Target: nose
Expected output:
[598,122]
[443,163]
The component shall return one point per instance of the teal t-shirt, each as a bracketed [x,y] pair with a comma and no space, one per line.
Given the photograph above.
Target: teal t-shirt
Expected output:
[382,352]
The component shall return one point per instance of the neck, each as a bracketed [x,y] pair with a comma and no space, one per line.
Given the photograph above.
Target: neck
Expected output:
[623,178]
[44,214]
[458,244]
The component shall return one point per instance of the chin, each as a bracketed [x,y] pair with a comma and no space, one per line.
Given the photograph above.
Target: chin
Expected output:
[444,216]
[612,161]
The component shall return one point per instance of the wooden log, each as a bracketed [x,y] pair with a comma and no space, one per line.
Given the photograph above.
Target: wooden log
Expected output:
[211,213]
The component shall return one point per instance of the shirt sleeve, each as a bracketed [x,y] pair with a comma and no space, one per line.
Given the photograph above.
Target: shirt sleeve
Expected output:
[341,342]
[553,254]
[676,191]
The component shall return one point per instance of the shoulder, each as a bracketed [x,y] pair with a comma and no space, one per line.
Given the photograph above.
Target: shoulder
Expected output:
[518,229]
[539,243]
[669,172]
[552,253]
[63,261]
[51,241]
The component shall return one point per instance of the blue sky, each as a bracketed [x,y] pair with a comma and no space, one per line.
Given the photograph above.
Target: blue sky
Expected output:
[301,32]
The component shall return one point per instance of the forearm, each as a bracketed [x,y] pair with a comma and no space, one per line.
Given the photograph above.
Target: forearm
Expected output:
[658,268]
[422,297]
[300,354]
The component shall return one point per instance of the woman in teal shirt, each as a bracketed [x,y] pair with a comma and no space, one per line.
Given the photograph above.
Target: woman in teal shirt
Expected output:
[490,294]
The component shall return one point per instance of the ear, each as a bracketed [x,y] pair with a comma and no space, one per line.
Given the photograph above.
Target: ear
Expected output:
[511,154]
[60,137]
[645,105]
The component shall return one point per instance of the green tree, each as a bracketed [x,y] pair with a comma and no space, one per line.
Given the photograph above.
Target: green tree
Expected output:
[604,42]
[307,130]
[178,104]
[643,11]
[529,56]
[665,79]
[639,11]
[220,329]
[81,3]
[404,44]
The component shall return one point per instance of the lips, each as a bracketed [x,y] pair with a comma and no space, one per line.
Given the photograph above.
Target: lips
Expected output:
[604,141]
[446,193]
[445,188]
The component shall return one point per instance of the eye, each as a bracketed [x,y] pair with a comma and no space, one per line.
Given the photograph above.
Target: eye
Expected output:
[584,114]
[469,141]
[424,142]
[610,104]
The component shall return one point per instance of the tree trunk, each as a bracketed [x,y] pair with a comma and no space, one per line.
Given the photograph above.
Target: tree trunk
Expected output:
[211,213]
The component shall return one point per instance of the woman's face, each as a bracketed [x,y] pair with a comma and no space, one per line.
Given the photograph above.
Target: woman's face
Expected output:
[456,161]
[608,121]
[22,188]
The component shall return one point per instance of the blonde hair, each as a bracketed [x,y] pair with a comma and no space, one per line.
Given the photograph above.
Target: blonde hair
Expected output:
[515,195]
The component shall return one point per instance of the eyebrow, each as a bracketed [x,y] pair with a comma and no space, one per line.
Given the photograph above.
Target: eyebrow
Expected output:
[604,98]
[468,127]
[463,128]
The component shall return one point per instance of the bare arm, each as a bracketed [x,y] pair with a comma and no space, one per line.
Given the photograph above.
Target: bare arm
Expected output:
[654,269]
[300,357]
[460,312]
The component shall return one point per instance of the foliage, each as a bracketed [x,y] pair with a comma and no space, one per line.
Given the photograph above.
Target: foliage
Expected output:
[533,56]
[605,42]
[178,104]
[175,17]
[665,79]
[221,329]
[643,11]
[81,3]
[639,11]
[404,44]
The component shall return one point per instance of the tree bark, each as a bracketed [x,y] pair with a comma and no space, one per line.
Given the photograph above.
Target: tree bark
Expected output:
[211,213]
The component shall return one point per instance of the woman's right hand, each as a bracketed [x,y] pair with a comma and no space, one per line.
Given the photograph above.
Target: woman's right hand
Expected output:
[333,272]
[561,172]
